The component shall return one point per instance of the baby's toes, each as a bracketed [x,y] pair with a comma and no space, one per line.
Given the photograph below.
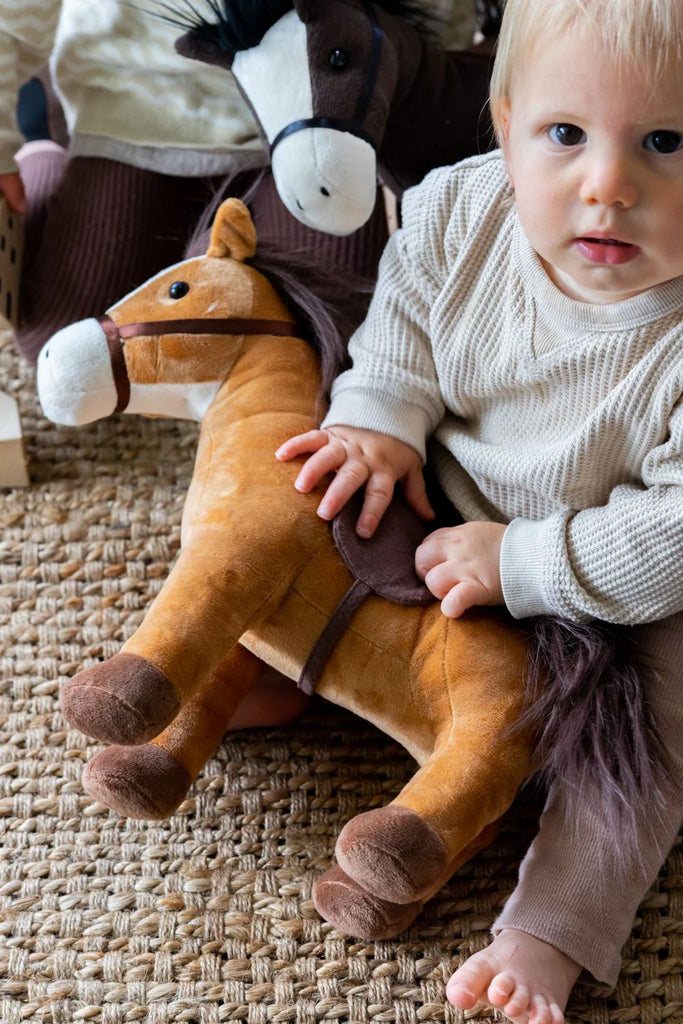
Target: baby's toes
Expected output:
[540,1012]
[468,985]
[556,1014]
[506,993]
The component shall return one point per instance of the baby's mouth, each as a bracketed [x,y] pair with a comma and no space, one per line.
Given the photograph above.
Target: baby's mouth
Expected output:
[611,251]
[603,241]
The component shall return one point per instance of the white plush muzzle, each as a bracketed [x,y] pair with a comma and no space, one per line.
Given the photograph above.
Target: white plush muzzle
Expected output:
[75,379]
[327,179]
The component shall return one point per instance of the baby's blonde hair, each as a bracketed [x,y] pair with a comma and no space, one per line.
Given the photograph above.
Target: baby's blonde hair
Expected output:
[640,34]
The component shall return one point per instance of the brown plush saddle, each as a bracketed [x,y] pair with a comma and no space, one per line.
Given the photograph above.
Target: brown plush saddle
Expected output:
[383,564]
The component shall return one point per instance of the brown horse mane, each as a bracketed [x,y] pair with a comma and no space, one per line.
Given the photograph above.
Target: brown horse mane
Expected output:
[303,285]
[236,25]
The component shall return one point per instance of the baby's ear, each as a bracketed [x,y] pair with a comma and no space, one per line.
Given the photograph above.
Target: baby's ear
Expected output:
[501,119]
[233,233]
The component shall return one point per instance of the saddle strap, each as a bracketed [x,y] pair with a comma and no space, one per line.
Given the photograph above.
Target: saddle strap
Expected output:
[326,642]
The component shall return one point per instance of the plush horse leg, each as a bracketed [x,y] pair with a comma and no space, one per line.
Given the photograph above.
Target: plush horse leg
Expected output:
[365,915]
[466,694]
[150,780]
[399,852]
[133,696]
[233,569]
[203,607]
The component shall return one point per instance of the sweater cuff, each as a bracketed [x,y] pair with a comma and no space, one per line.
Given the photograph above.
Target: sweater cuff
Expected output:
[523,557]
[369,411]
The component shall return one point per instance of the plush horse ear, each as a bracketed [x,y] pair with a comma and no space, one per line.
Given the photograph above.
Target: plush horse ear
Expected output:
[233,233]
[304,8]
[208,51]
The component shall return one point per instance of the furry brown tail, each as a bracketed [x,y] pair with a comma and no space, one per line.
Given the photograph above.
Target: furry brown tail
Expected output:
[588,710]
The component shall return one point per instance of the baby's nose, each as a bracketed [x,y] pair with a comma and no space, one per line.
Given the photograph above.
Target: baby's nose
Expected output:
[610,181]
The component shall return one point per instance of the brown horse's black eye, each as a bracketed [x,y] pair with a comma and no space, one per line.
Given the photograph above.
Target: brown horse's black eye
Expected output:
[338,59]
[178,289]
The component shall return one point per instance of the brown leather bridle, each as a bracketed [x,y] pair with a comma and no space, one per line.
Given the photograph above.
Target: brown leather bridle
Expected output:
[117,334]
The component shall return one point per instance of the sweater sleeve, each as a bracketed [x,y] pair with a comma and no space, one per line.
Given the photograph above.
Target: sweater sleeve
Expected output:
[27,33]
[619,563]
[392,385]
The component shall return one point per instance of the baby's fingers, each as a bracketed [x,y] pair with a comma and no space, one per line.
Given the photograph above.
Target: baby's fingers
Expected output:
[462,596]
[456,593]
[302,444]
[327,460]
[350,477]
[432,552]
[379,491]
[12,188]
[416,493]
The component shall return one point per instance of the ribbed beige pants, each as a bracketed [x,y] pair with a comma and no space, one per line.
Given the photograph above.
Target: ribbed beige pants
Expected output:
[574,889]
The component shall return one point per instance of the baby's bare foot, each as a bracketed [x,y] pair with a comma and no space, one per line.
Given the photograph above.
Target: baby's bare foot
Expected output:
[527,979]
[273,700]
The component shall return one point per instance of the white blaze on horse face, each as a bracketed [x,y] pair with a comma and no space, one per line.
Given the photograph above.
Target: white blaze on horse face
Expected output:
[274,75]
[75,380]
[326,178]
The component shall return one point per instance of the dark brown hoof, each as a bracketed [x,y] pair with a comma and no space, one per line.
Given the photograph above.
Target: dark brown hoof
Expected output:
[393,853]
[358,913]
[124,700]
[137,782]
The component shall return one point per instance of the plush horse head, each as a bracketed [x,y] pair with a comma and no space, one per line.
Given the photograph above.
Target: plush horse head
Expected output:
[340,87]
[259,576]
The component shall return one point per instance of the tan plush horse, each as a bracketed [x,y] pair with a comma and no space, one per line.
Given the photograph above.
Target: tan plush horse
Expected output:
[258,574]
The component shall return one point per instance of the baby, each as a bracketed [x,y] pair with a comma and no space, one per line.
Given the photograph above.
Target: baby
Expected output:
[527,321]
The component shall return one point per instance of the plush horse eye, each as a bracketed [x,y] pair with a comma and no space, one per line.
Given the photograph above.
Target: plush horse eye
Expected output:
[338,58]
[178,289]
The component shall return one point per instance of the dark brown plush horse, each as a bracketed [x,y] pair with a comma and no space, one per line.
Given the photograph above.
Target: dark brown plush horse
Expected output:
[344,89]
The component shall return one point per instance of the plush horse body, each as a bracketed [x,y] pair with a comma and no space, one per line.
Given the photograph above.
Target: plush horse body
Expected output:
[258,574]
[259,578]
[343,89]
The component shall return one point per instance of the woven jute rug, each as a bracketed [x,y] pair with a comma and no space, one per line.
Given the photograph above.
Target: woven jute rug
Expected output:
[207,916]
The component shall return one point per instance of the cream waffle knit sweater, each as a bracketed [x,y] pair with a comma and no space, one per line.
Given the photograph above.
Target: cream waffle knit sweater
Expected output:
[561,418]
[127,95]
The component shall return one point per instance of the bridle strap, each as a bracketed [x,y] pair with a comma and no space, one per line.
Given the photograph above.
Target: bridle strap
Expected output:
[354,126]
[117,334]
[229,325]
[118,362]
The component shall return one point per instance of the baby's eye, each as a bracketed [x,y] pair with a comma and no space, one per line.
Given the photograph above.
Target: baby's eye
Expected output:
[567,134]
[663,141]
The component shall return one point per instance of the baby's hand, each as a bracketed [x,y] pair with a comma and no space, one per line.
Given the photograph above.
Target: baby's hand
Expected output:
[461,566]
[12,188]
[358,457]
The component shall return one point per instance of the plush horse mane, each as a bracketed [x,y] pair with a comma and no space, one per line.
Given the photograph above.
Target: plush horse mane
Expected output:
[235,25]
[300,283]
[232,24]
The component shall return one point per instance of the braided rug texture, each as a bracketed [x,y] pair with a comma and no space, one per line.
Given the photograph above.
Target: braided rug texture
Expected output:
[207,917]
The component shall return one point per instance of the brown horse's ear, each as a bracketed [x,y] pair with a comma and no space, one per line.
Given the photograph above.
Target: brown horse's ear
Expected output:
[304,8]
[233,233]
[208,51]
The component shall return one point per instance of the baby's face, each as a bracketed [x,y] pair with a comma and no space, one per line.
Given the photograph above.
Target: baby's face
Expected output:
[596,161]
